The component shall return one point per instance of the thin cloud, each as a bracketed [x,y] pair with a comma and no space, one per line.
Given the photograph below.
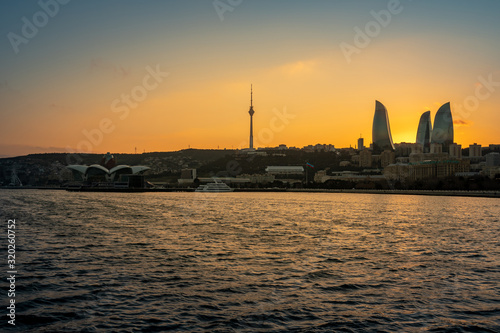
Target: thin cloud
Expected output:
[102,66]
[58,107]
[298,67]
[462,123]
[6,87]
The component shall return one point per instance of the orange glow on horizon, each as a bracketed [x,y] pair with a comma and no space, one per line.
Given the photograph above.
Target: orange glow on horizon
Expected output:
[170,84]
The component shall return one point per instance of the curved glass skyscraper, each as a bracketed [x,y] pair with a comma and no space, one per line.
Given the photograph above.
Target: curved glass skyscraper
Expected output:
[424,131]
[443,127]
[381,131]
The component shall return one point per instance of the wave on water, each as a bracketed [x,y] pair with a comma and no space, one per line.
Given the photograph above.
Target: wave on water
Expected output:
[247,262]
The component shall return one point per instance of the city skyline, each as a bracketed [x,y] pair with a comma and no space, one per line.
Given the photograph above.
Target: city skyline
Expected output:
[168,76]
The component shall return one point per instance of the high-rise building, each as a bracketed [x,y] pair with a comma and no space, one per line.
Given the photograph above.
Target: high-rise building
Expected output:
[442,133]
[455,151]
[381,131]
[417,148]
[403,149]
[424,131]
[365,158]
[361,144]
[494,147]
[251,112]
[475,150]
[492,159]
[436,148]
[387,157]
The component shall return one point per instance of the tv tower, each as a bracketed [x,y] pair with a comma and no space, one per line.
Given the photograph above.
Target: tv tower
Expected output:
[251,112]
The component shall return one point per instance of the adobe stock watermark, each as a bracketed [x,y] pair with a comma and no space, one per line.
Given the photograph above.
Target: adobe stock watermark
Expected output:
[139,93]
[486,87]
[372,29]
[277,124]
[121,106]
[223,6]
[30,28]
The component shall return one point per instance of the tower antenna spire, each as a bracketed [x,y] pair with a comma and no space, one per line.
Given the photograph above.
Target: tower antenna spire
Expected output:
[251,95]
[251,112]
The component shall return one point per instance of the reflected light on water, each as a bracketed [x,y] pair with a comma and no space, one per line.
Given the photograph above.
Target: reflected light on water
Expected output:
[255,261]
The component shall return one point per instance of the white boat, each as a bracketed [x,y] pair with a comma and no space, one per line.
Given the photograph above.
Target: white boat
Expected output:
[214,187]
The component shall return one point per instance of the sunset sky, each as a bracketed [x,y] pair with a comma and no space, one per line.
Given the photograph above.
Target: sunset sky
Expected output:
[315,77]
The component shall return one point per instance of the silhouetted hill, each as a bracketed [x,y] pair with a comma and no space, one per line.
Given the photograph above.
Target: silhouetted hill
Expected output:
[230,165]
[50,169]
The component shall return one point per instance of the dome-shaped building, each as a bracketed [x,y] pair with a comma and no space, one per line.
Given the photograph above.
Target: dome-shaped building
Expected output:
[107,171]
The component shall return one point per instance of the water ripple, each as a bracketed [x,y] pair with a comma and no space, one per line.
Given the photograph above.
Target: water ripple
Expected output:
[246,262]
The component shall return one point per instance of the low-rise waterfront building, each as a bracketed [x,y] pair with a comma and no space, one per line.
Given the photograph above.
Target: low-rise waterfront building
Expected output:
[426,169]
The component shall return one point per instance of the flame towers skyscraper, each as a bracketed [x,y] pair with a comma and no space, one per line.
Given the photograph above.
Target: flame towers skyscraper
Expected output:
[442,132]
[251,112]
[381,132]
[424,131]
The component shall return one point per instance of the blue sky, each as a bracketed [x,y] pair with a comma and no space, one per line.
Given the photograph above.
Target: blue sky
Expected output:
[63,80]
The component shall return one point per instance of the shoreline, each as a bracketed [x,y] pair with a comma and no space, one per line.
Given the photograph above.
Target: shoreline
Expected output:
[457,193]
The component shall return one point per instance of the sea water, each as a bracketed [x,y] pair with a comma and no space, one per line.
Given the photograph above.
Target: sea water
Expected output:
[251,262]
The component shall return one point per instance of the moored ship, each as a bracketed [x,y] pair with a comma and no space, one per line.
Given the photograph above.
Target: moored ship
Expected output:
[215,187]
